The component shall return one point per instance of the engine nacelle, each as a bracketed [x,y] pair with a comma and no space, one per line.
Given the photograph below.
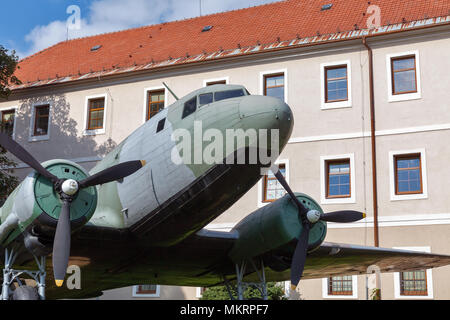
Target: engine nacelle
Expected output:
[275,228]
[37,205]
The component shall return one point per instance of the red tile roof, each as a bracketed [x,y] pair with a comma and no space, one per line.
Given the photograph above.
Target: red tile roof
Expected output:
[246,28]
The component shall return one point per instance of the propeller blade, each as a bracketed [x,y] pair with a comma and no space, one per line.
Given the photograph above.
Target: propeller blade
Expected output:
[344,216]
[17,150]
[299,258]
[112,174]
[283,182]
[61,244]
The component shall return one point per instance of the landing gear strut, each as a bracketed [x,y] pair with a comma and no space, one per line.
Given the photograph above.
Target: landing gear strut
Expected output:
[10,275]
[241,285]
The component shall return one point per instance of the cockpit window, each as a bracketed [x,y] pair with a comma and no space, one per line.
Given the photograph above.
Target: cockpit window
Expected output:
[190,107]
[205,98]
[222,95]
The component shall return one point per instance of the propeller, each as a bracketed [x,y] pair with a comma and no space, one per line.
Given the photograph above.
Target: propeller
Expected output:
[309,217]
[67,190]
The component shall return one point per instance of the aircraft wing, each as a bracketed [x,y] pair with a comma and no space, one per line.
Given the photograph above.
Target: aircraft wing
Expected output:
[330,259]
[203,260]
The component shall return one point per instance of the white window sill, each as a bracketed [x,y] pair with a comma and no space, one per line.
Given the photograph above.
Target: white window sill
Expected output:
[93,132]
[404,97]
[38,138]
[409,197]
[338,200]
[336,105]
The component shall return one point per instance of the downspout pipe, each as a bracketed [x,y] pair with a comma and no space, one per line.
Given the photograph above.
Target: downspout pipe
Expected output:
[373,144]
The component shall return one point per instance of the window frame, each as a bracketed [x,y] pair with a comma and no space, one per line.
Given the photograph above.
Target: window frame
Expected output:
[326,82]
[209,82]
[393,73]
[89,118]
[324,180]
[7,109]
[261,186]
[99,131]
[339,293]
[327,178]
[146,96]
[265,184]
[262,82]
[32,137]
[429,278]
[413,293]
[136,293]
[390,77]
[396,169]
[273,75]
[148,109]
[393,174]
[326,295]
[335,104]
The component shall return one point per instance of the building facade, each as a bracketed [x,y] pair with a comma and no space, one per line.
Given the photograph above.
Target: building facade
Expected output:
[327,84]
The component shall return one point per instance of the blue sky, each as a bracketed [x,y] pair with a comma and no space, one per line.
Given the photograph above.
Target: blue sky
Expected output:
[30,26]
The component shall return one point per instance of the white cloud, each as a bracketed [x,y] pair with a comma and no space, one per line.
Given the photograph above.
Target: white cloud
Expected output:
[113,15]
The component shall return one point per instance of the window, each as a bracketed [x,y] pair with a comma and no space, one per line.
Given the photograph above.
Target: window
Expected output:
[206,98]
[272,189]
[408,174]
[146,290]
[212,83]
[190,107]
[41,119]
[336,85]
[222,95]
[416,284]
[338,178]
[161,125]
[341,286]
[403,76]
[403,72]
[156,102]
[96,114]
[274,85]
[413,283]
[7,125]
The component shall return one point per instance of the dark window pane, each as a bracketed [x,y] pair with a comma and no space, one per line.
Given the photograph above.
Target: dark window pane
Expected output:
[41,120]
[156,103]
[7,125]
[190,107]
[161,125]
[205,98]
[222,95]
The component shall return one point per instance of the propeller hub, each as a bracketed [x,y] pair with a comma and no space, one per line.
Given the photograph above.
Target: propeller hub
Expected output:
[313,216]
[69,187]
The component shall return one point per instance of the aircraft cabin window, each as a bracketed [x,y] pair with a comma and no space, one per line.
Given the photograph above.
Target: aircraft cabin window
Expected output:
[190,107]
[161,125]
[206,99]
[222,95]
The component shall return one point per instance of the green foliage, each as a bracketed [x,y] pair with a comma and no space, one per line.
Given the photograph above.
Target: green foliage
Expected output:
[274,292]
[8,65]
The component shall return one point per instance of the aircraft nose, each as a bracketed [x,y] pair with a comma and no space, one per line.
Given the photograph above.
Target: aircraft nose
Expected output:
[263,112]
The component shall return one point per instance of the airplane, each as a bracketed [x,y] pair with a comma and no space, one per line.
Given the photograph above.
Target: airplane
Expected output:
[140,217]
